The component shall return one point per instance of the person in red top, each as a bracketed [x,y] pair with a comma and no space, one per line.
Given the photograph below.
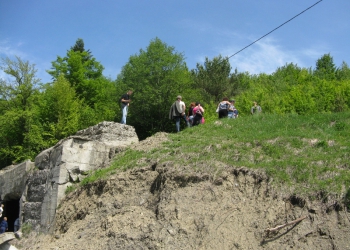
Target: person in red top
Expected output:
[198,113]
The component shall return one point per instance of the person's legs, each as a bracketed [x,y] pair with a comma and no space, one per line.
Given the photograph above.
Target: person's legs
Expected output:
[196,120]
[177,123]
[124,114]
[230,114]
[190,119]
[187,122]
[222,113]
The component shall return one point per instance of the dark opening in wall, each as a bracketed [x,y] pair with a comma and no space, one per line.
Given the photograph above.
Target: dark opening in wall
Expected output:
[11,211]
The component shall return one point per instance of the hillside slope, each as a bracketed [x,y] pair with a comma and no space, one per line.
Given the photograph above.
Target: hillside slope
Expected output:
[166,207]
[162,197]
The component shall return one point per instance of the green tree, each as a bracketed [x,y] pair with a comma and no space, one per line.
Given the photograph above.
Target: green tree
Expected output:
[213,77]
[343,72]
[20,129]
[81,70]
[60,110]
[325,67]
[238,83]
[157,75]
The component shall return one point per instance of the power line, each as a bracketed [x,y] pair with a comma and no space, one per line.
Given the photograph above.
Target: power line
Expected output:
[274,29]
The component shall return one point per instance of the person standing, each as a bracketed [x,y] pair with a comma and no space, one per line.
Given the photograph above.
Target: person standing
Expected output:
[16,225]
[231,109]
[190,113]
[1,209]
[125,102]
[3,225]
[256,109]
[223,108]
[177,111]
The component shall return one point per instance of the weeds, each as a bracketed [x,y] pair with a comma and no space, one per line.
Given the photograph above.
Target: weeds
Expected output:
[26,229]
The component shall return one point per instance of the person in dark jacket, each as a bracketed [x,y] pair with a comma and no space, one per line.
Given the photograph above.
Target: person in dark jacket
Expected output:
[16,225]
[3,225]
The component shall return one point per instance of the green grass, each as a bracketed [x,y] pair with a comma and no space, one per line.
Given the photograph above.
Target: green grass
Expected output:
[307,154]
[26,229]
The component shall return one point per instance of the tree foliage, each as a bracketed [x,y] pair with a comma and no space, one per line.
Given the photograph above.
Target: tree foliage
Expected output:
[157,75]
[33,118]
[81,70]
[325,67]
[19,126]
[213,77]
[60,109]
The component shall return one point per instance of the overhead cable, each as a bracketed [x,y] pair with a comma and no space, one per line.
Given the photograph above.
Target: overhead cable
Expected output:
[275,29]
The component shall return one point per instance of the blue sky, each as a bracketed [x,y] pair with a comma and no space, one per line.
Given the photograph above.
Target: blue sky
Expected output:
[40,30]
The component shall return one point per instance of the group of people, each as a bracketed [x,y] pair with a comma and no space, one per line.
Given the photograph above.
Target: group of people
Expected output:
[194,117]
[226,109]
[4,224]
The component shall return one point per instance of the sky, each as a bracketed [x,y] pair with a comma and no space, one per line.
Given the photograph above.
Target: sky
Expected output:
[38,31]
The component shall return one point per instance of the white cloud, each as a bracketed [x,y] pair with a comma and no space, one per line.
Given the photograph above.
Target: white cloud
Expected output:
[9,50]
[264,56]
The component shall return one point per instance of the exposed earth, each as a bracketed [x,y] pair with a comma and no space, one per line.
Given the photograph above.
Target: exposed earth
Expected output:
[168,206]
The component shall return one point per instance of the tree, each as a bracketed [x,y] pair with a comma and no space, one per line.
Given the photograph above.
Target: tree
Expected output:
[238,83]
[325,68]
[213,77]
[60,110]
[157,75]
[80,69]
[343,72]
[20,129]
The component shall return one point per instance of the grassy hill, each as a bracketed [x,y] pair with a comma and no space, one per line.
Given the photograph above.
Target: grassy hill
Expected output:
[302,155]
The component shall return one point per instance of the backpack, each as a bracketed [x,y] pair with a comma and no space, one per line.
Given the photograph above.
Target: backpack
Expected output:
[197,112]
[222,106]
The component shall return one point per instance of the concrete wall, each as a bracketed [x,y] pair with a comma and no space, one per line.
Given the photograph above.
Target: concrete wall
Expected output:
[13,180]
[43,187]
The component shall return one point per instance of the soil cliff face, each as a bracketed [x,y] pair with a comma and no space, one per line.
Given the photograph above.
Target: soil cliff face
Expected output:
[167,206]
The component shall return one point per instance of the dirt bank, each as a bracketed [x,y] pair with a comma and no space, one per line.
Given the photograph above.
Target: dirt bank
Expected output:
[167,206]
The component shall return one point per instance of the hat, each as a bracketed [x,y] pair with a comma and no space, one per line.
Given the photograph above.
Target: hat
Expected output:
[179,97]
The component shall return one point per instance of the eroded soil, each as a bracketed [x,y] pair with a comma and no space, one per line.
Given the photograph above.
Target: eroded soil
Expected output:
[167,206]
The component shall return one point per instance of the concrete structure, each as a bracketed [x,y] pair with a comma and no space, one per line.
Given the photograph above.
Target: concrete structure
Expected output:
[39,189]
[4,241]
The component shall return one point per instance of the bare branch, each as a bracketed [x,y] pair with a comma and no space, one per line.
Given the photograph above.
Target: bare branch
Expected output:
[268,230]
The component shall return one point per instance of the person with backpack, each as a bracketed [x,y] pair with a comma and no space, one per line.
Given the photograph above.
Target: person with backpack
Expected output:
[223,108]
[177,111]
[198,113]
